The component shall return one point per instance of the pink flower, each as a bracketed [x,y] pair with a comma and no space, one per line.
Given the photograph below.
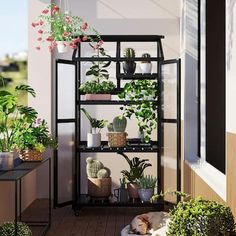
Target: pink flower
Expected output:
[77,40]
[49,38]
[40,31]
[55,9]
[54,44]
[66,34]
[84,26]
[41,22]
[50,48]
[39,39]
[34,24]
[100,43]
[38,48]
[45,11]
[72,45]
[85,38]
[67,18]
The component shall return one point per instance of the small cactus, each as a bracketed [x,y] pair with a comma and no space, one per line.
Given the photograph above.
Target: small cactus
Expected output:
[110,127]
[93,166]
[119,124]
[104,173]
[129,53]
[146,55]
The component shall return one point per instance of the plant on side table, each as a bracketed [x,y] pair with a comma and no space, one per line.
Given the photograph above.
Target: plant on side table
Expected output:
[144,93]
[100,87]
[146,66]
[137,167]
[146,185]
[129,66]
[94,136]
[8,229]
[201,218]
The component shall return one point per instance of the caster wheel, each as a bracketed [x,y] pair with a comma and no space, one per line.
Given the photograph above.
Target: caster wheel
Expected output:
[76,213]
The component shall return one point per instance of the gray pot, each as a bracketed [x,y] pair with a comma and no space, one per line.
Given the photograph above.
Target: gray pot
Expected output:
[6,160]
[145,194]
[121,194]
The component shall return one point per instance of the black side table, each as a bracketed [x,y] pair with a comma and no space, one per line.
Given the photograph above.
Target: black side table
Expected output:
[16,175]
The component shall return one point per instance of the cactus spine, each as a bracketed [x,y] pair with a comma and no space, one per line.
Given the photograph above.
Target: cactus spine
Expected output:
[129,53]
[119,124]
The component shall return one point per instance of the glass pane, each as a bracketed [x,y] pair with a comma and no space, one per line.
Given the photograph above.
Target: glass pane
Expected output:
[66,135]
[169,79]
[66,91]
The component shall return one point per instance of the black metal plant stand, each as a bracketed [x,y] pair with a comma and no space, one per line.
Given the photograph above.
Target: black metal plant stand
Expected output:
[78,199]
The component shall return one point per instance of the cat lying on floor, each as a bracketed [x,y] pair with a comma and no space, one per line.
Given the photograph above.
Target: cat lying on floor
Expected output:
[152,223]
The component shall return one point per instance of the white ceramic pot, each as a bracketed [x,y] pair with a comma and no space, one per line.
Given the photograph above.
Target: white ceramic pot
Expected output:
[146,68]
[62,46]
[93,140]
[6,160]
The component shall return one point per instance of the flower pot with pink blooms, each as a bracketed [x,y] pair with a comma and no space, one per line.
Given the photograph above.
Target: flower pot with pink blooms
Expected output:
[62,30]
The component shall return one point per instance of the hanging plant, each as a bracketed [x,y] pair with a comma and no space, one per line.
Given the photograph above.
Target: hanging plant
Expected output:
[59,28]
[144,93]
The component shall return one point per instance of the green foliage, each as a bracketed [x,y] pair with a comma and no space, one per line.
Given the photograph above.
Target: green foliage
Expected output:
[144,92]
[146,55]
[129,53]
[8,229]
[122,182]
[137,167]
[95,87]
[119,124]
[94,122]
[199,217]
[147,181]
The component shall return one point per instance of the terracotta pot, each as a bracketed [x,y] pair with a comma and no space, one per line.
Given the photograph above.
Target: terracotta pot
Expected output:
[132,189]
[100,188]
[97,96]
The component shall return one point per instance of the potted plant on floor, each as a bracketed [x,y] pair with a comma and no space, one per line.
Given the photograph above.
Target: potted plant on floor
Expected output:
[146,66]
[129,66]
[99,180]
[202,218]
[94,136]
[12,115]
[137,167]
[8,229]
[63,30]
[146,185]
[100,87]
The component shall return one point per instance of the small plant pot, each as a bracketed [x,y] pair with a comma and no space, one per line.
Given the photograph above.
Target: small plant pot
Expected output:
[145,194]
[30,155]
[132,189]
[62,46]
[93,140]
[99,188]
[129,67]
[97,96]
[146,68]
[6,160]
[121,194]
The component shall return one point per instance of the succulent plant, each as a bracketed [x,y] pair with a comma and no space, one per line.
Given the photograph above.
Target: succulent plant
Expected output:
[104,173]
[119,124]
[8,229]
[146,55]
[110,127]
[147,181]
[129,53]
[93,166]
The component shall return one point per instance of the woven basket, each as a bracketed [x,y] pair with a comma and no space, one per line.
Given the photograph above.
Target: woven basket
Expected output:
[99,188]
[31,155]
[117,139]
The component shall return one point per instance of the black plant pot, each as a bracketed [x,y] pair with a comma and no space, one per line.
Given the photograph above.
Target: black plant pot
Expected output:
[129,67]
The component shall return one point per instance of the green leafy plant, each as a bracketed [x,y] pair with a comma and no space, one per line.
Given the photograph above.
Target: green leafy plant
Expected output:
[95,124]
[8,229]
[94,87]
[137,167]
[13,116]
[144,92]
[201,217]
[147,182]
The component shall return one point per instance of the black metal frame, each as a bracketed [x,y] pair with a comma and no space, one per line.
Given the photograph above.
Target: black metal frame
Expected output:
[80,146]
[25,169]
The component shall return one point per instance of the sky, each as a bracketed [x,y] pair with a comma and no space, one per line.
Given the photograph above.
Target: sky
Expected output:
[13,26]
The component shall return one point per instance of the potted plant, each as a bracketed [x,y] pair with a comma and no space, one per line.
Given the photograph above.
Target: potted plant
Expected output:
[129,66]
[121,192]
[99,180]
[63,30]
[8,229]
[144,93]
[99,88]
[201,217]
[146,65]
[94,136]
[137,167]
[12,115]
[146,187]
[33,138]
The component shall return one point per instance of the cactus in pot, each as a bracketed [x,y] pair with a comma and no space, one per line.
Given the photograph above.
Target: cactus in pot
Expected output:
[119,124]
[129,66]
[146,65]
